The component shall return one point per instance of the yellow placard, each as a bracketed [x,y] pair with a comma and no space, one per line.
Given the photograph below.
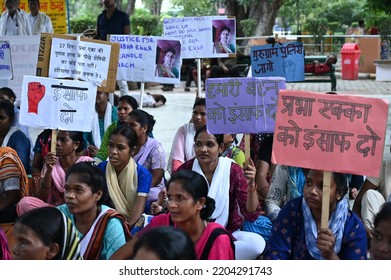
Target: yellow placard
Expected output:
[55,9]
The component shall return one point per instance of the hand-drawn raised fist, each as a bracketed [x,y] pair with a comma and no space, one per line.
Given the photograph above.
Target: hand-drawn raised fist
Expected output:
[36,91]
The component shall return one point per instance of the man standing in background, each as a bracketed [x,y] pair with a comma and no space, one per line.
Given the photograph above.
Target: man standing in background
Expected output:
[39,22]
[113,21]
[14,22]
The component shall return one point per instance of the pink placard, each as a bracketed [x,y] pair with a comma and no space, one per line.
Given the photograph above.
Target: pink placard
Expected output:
[338,133]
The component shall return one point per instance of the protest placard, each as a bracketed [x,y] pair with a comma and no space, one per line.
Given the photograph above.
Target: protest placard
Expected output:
[242,105]
[24,53]
[278,60]
[77,59]
[45,51]
[57,104]
[330,132]
[203,37]
[148,58]
[5,61]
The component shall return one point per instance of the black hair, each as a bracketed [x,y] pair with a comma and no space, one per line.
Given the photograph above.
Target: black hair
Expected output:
[47,223]
[130,100]
[200,101]
[77,136]
[143,118]
[171,50]
[383,214]
[8,109]
[219,137]
[270,40]
[196,185]
[341,182]
[91,175]
[225,28]
[128,132]
[9,92]
[168,243]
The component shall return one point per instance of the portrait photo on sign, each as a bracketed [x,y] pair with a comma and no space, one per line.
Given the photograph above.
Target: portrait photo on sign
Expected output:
[168,58]
[224,36]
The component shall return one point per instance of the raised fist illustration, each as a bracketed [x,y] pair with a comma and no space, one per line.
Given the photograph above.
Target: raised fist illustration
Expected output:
[35,93]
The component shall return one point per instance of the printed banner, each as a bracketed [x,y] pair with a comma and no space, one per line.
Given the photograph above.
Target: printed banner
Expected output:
[242,105]
[79,60]
[5,61]
[55,9]
[203,37]
[148,59]
[278,60]
[24,55]
[330,132]
[57,104]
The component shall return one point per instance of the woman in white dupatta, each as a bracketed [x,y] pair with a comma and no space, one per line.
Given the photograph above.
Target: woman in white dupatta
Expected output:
[128,182]
[182,148]
[233,189]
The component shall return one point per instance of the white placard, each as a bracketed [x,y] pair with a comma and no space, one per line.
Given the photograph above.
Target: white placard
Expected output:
[141,58]
[5,61]
[24,57]
[79,60]
[201,36]
[57,104]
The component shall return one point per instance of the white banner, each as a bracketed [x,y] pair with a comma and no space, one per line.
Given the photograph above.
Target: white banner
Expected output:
[148,59]
[203,37]
[5,61]
[24,56]
[57,104]
[79,60]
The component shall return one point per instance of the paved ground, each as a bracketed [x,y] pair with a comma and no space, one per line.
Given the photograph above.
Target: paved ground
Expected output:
[179,104]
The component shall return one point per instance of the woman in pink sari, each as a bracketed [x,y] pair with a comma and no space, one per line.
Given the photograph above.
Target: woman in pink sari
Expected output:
[51,188]
[149,152]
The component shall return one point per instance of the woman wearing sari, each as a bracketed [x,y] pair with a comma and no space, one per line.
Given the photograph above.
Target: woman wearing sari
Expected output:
[297,232]
[101,229]
[45,233]
[68,147]
[11,136]
[182,148]
[128,182]
[5,253]
[126,104]
[149,152]
[233,189]
[13,182]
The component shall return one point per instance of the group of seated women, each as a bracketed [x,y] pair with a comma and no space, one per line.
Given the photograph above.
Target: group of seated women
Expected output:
[209,208]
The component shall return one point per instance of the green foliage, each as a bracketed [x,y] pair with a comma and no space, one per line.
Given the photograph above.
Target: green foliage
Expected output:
[317,26]
[380,5]
[79,24]
[249,26]
[333,26]
[143,23]
[191,8]
[384,25]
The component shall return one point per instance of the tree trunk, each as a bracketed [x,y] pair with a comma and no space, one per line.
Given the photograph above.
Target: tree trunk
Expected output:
[119,4]
[264,11]
[130,7]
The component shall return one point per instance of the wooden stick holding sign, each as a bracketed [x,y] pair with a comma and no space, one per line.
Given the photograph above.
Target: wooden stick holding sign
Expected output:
[324,222]
[54,141]
[198,77]
[247,146]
